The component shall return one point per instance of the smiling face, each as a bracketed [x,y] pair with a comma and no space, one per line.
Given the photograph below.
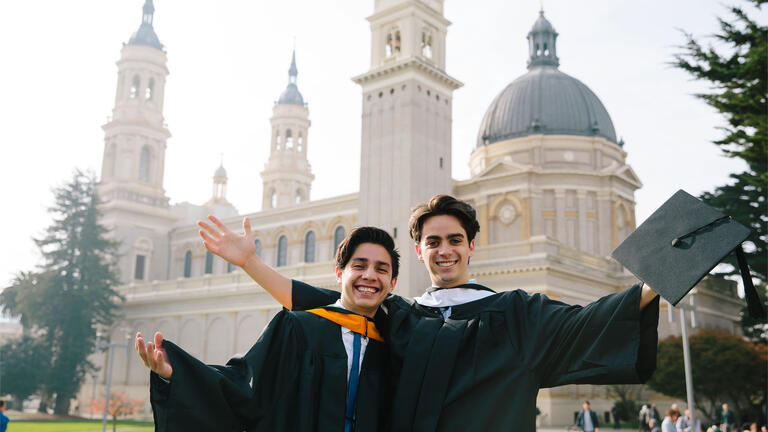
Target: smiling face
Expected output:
[366,279]
[445,251]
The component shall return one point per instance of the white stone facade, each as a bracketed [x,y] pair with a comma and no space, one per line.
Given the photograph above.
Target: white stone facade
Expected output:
[551,207]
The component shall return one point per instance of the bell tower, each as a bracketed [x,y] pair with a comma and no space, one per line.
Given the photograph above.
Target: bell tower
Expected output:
[134,204]
[287,176]
[406,122]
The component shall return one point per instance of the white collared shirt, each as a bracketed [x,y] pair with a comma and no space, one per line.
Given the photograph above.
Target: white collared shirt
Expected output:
[347,336]
[446,298]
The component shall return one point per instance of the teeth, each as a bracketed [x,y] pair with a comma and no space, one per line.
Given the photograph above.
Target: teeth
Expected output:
[366,289]
[446,263]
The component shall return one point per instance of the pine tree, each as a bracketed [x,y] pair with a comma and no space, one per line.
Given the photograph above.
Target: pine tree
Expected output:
[72,292]
[738,74]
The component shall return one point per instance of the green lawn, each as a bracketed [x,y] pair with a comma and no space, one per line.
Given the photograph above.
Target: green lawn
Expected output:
[76,426]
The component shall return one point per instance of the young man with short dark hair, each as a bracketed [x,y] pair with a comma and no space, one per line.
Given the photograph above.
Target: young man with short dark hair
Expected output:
[588,421]
[325,369]
[472,359]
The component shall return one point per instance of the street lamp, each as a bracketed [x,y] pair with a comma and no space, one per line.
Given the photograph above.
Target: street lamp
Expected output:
[682,307]
[110,346]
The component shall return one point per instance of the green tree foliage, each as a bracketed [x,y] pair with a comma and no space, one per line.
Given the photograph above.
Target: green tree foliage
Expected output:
[72,291]
[738,74]
[23,367]
[725,368]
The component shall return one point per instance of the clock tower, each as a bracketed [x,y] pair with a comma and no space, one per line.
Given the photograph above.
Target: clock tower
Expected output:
[134,205]
[406,123]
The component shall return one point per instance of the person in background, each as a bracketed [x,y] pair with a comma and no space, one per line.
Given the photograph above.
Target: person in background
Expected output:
[727,419]
[653,426]
[644,416]
[684,422]
[3,418]
[655,413]
[668,425]
[615,414]
[587,420]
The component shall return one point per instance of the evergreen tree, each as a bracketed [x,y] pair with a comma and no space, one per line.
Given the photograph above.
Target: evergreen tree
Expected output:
[738,74]
[724,368]
[72,292]
[24,361]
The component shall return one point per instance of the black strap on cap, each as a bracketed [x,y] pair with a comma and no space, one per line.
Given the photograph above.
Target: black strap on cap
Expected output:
[754,306]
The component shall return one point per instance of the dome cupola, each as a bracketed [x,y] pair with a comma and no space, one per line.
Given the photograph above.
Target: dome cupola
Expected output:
[291,94]
[146,35]
[544,100]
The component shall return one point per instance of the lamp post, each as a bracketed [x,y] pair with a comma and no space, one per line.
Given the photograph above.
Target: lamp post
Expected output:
[687,351]
[110,346]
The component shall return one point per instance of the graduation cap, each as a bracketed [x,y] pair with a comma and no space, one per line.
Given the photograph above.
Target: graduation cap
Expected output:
[680,243]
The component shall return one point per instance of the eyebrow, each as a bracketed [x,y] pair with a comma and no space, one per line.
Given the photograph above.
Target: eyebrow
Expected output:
[365,260]
[449,236]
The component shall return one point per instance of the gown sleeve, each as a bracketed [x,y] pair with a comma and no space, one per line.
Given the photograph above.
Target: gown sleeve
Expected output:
[609,341]
[229,398]
[305,296]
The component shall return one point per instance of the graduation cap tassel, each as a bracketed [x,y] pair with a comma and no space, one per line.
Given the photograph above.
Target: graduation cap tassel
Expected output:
[754,306]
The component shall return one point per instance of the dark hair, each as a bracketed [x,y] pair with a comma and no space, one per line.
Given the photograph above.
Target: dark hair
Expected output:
[444,205]
[2,403]
[673,412]
[367,234]
[587,402]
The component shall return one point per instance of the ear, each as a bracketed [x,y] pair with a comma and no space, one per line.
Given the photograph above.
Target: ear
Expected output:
[392,288]
[472,248]
[417,245]
[339,272]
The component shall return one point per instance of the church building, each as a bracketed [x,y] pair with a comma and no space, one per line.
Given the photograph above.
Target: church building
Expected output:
[549,180]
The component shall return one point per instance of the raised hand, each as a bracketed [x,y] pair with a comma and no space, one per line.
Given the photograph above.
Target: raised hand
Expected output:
[153,355]
[233,247]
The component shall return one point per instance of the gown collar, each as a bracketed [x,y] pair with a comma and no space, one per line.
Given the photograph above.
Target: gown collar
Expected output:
[447,297]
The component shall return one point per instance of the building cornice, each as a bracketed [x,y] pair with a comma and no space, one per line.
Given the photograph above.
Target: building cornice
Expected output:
[415,63]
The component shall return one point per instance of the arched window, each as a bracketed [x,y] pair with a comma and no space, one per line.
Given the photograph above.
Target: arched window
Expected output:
[273,199]
[300,142]
[392,46]
[135,83]
[230,267]
[338,236]
[188,264]
[278,141]
[208,262]
[144,164]
[288,139]
[299,196]
[257,247]
[426,43]
[282,251]
[309,247]
[150,89]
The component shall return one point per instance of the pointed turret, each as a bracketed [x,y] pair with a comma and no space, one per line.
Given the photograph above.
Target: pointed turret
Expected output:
[291,94]
[541,43]
[146,35]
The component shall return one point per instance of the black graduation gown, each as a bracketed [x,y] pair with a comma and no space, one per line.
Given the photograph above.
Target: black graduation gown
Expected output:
[298,369]
[481,369]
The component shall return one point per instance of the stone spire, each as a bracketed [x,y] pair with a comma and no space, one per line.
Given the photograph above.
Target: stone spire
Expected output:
[541,43]
[146,35]
[291,94]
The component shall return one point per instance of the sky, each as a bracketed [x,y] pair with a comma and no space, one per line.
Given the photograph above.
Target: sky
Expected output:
[229,59]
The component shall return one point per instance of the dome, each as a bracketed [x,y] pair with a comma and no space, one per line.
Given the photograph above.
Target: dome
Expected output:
[544,100]
[146,35]
[291,94]
[220,171]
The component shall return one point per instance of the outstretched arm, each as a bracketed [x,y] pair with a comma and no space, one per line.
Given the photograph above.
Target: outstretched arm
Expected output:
[154,356]
[239,250]
[646,296]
